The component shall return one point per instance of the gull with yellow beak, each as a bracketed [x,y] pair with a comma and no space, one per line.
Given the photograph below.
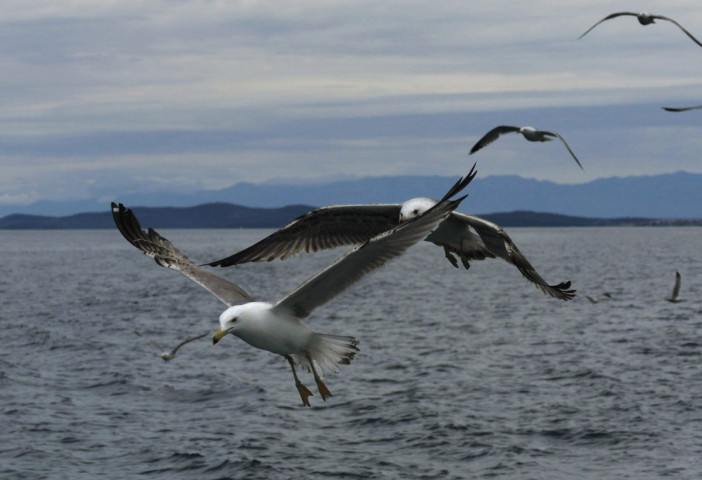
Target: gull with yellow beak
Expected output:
[277,327]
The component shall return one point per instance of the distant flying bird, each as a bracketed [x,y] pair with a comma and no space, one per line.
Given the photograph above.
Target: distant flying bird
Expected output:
[338,225]
[683,109]
[277,327]
[644,19]
[165,354]
[676,290]
[530,133]
[594,300]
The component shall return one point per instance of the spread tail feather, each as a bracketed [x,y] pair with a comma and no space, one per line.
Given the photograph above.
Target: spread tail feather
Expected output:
[328,352]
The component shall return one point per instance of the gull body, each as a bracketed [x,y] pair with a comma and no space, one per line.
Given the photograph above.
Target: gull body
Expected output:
[530,133]
[644,19]
[256,324]
[277,327]
[455,236]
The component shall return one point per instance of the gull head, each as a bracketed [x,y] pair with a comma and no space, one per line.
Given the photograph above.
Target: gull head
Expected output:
[228,322]
[415,207]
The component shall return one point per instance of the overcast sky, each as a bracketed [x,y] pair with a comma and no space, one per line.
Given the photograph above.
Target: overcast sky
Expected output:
[100,98]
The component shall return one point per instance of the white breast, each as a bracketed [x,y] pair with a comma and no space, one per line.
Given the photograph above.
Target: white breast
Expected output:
[261,328]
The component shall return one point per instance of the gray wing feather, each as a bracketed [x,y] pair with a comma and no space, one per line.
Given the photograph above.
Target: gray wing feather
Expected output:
[501,245]
[491,136]
[553,134]
[608,17]
[320,229]
[368,257]
[158,346]
[661,17]
[173,352]
[167,255]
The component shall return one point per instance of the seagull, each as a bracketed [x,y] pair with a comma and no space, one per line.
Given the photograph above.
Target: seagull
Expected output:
[683,109]
[165,354]
[530,133]
[676,290]
[338,225]
[594,300]
[277,327]
[644,19]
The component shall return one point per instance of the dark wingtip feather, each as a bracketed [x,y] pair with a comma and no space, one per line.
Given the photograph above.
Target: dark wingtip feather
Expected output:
[225,262]
[562,291]
[126,222]
[460,184]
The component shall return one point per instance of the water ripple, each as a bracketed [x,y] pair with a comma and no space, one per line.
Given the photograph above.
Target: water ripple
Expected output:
[477,376]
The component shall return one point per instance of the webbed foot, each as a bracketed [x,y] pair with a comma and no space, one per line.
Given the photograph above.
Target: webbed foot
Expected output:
[450,257]
[305,393]
[323,390]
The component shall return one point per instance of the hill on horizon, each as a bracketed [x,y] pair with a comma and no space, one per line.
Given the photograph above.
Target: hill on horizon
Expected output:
[669,196]
[226,215]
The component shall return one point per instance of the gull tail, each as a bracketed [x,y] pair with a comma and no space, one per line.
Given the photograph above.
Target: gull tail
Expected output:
[328,352]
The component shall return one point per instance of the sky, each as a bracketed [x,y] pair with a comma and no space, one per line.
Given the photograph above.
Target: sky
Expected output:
[103,98]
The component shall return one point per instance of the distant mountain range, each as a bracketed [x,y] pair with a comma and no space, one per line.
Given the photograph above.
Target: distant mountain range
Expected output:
[669,196]
[212,215]
[225,215]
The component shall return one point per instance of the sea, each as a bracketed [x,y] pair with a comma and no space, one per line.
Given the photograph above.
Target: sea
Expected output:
[462,374]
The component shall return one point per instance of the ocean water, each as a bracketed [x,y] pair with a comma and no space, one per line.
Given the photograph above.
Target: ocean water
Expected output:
[461,374]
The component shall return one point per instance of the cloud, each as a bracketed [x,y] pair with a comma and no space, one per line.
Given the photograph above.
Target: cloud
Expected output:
[206,92]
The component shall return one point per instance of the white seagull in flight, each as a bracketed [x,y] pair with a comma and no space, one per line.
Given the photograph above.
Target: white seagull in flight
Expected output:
[165,354]
[277,327]
[644,19]
[530,133]
[338,225]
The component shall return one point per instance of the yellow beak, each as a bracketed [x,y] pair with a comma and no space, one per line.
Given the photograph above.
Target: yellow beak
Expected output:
[218,336]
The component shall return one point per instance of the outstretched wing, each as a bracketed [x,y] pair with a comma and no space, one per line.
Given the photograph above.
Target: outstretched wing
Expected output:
[320,229]
[157,345]
[501,245]
[676,287]
[683,109]
[553,134]
[661,17]
[173,352]
[491,136]
[608,17]
[368,257]
[167,255]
